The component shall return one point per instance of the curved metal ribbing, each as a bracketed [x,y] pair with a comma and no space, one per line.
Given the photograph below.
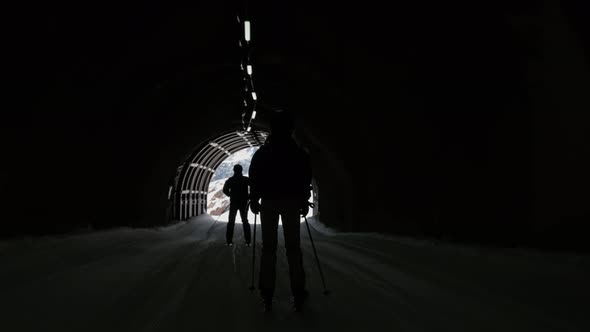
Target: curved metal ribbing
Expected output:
[190,192]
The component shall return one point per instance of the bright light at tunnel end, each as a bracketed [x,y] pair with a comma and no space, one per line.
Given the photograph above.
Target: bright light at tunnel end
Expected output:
[217,204]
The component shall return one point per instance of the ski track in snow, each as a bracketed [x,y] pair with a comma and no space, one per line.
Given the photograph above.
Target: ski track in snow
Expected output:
[183,278]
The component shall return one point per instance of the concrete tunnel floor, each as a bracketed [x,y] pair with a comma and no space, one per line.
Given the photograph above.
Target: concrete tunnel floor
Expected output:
[182,278]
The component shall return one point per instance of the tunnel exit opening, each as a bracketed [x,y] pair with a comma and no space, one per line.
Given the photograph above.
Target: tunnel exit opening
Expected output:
[218,202]
[191,193]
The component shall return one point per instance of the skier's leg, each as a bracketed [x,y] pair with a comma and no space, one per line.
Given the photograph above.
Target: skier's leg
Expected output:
[229,234]
[244,216]
[269,221]
[291,231]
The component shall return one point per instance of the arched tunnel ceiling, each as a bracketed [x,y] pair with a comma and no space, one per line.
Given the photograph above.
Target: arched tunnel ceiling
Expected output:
[460,119]
[191,187]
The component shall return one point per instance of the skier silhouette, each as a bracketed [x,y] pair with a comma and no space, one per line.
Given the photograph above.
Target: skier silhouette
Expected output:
[280,176]
[236,187]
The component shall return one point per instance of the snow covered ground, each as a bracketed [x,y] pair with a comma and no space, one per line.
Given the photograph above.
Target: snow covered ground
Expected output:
[224,218]
[217,200]
[182,278]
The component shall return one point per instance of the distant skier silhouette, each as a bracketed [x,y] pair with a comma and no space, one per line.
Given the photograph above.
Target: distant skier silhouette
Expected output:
[236,187]
[280,175]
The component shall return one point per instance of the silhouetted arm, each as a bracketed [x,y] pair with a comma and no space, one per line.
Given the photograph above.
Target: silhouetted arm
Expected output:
[306,178]
[226,186]
[254,174]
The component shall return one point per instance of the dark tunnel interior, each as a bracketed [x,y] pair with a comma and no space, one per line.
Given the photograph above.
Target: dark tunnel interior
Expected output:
[459,120]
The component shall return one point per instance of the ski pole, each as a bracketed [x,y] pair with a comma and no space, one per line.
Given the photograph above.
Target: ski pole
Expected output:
[253,254]
[326,291]
[219,216]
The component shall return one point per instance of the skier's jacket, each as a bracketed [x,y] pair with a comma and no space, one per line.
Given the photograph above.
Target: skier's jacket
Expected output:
[280,170]
[236,187]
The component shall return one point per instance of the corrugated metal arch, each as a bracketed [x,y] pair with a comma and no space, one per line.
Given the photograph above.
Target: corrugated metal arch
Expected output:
[190,189]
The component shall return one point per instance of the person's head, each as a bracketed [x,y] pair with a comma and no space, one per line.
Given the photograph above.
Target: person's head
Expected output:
[238,169]
[282,123]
